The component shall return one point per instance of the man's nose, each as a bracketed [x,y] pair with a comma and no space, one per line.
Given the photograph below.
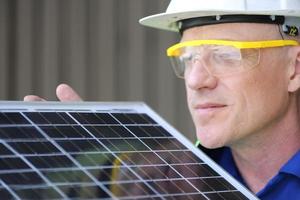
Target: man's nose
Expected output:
[199,77]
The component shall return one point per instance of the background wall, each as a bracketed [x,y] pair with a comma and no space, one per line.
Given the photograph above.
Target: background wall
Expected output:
[96,46]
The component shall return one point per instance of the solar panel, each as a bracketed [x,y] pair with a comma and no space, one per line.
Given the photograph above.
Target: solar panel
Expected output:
[102,151]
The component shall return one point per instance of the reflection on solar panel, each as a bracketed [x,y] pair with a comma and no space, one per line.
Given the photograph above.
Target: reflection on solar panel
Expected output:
[102,150]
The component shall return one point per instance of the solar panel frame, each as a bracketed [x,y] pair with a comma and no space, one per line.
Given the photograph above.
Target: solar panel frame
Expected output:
[96,107]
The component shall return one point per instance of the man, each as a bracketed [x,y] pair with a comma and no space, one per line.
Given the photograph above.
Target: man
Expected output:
[241,64]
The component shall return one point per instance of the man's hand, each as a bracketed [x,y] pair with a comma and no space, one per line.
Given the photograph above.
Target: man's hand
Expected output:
[63,92]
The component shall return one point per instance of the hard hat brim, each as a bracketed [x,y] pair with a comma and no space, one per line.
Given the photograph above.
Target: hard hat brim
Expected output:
[168,21]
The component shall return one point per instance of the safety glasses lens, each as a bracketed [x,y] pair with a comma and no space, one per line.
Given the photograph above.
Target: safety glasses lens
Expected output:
[216,59]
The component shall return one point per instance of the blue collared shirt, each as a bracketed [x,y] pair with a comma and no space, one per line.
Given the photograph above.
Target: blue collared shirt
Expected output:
[285,185]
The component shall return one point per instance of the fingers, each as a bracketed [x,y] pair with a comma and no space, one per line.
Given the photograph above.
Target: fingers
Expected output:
[65,93]
[33,98]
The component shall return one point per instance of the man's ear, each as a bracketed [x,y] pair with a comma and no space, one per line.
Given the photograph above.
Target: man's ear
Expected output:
[294,76]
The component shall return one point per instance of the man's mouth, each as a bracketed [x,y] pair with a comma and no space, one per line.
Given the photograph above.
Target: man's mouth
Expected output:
[207,108]
[209,105]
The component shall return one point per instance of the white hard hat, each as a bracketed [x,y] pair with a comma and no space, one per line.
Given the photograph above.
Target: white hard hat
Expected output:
[180,10]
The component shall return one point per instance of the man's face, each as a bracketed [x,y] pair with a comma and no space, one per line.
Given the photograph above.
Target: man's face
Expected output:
[232,109]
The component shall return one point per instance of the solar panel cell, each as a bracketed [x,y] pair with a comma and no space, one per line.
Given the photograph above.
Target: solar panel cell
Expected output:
[3,119]
[15,118]
[123,118]
[67,176]
[93,118]
[38,193]
[12,163]
[20,132]
[65,131]
[94,159]
[21,178]
[34,147]
[50,161]
[36,117]
[4,151]
[5,194]
[109,131]
[56,118]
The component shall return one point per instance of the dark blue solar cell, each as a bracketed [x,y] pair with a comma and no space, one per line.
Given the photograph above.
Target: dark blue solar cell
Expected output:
[66,118]
[121,131]
[12,163]
[81,145]
[109,131]
[133,118]
[163,131]
[102,131]
[67,176]
[5,194]
[94,118]
[148,131]
[123,118]
[4,150]
[137,118]
[15,118]
[234,195]
[37,193]
[148,119]
[107,118]
[49,118]
[65,131]
[57,118]
[21,178]
[20,132]
[86,192]
[138,131]
[57,161]
[4,119]
[36,147]
[36,118]
[87,118]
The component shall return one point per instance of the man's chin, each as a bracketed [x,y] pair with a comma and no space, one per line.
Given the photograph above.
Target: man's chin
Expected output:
[210,140]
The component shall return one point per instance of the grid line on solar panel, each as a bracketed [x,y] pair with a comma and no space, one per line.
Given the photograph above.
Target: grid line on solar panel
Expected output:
[180,146]
[72,159]
[194,174]
[25,161]
[148,161]
[150,148]
[174,145]
[152,189]
[138,143]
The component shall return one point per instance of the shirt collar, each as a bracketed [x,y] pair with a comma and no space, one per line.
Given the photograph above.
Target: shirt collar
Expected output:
[292,166]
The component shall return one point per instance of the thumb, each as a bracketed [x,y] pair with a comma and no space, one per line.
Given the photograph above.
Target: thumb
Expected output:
[65,93]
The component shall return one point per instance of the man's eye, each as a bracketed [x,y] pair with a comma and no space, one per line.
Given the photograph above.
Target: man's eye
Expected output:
[186,57]
[227,56]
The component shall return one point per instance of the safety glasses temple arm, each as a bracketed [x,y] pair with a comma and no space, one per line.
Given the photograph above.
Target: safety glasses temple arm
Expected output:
[174,50]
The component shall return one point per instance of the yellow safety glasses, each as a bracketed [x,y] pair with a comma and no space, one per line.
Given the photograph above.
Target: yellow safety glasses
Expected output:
[219,57]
